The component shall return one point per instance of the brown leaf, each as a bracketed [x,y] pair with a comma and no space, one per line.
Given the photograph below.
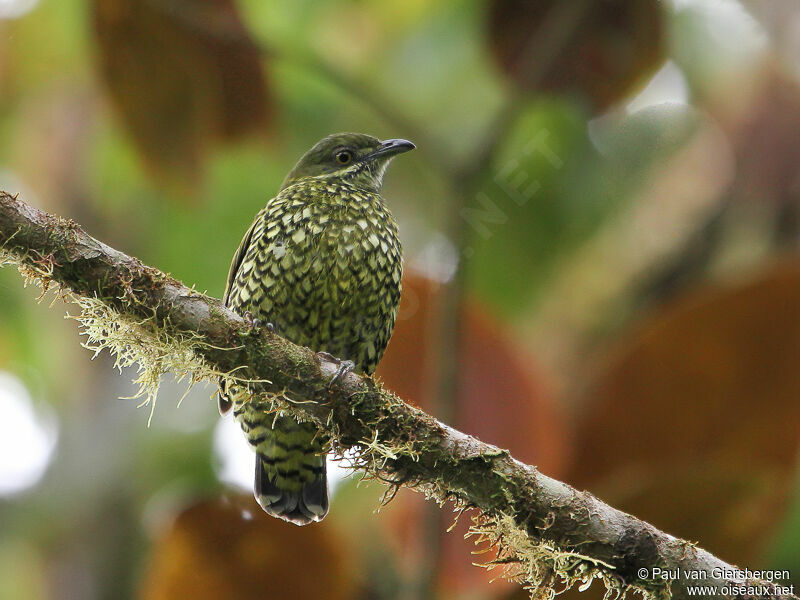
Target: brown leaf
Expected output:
[231,549]
[503,400]
[599,48]
[695,424]
[181,74]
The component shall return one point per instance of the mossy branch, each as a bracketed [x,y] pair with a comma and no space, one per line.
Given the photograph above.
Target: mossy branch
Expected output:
[547,534]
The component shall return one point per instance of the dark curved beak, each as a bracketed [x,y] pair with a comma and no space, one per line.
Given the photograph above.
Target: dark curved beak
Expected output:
[392,147]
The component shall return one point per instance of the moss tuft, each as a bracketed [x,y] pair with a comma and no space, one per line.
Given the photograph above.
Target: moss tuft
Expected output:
[154,350]
[544,570]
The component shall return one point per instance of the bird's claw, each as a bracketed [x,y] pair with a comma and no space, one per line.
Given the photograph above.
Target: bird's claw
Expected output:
[255,324]
[345,366]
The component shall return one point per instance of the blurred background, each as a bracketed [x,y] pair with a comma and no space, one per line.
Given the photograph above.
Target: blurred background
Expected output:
[601,228]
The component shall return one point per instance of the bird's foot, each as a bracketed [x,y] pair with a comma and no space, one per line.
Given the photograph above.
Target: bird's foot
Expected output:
[345,366]
[255,324]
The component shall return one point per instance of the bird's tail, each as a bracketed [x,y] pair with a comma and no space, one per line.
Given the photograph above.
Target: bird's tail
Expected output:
[291,481]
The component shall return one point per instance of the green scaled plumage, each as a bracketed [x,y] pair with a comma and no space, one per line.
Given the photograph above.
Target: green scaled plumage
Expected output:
[322,264]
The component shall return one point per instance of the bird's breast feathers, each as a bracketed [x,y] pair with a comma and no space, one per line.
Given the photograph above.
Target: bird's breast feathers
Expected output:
[319,246]
[332,234]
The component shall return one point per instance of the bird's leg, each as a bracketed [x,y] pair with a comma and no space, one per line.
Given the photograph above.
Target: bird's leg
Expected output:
[345,366]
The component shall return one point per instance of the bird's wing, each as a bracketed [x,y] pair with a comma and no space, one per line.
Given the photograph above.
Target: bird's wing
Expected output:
[238,257]
[224,402]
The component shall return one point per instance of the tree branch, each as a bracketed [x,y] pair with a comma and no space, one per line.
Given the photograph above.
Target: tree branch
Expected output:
[545,531]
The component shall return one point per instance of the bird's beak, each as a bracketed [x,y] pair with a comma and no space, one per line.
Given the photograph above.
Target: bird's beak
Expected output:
[391,148]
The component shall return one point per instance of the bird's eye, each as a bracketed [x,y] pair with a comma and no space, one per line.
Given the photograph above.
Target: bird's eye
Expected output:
[343,157]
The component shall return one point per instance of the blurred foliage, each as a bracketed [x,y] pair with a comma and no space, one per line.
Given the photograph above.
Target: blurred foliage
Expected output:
[617,179]
[223,549]
[595,50]
[712,375]
[180,79]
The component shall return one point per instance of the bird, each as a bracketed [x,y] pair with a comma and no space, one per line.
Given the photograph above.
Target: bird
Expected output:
[320,265]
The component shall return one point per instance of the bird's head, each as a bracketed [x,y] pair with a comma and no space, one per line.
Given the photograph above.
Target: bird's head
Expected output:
[356,158]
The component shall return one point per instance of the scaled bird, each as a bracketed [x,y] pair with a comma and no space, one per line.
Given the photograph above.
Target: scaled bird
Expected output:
[321,264]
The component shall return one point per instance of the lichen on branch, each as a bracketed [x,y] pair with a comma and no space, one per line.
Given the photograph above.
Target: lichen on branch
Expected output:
[546,534]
